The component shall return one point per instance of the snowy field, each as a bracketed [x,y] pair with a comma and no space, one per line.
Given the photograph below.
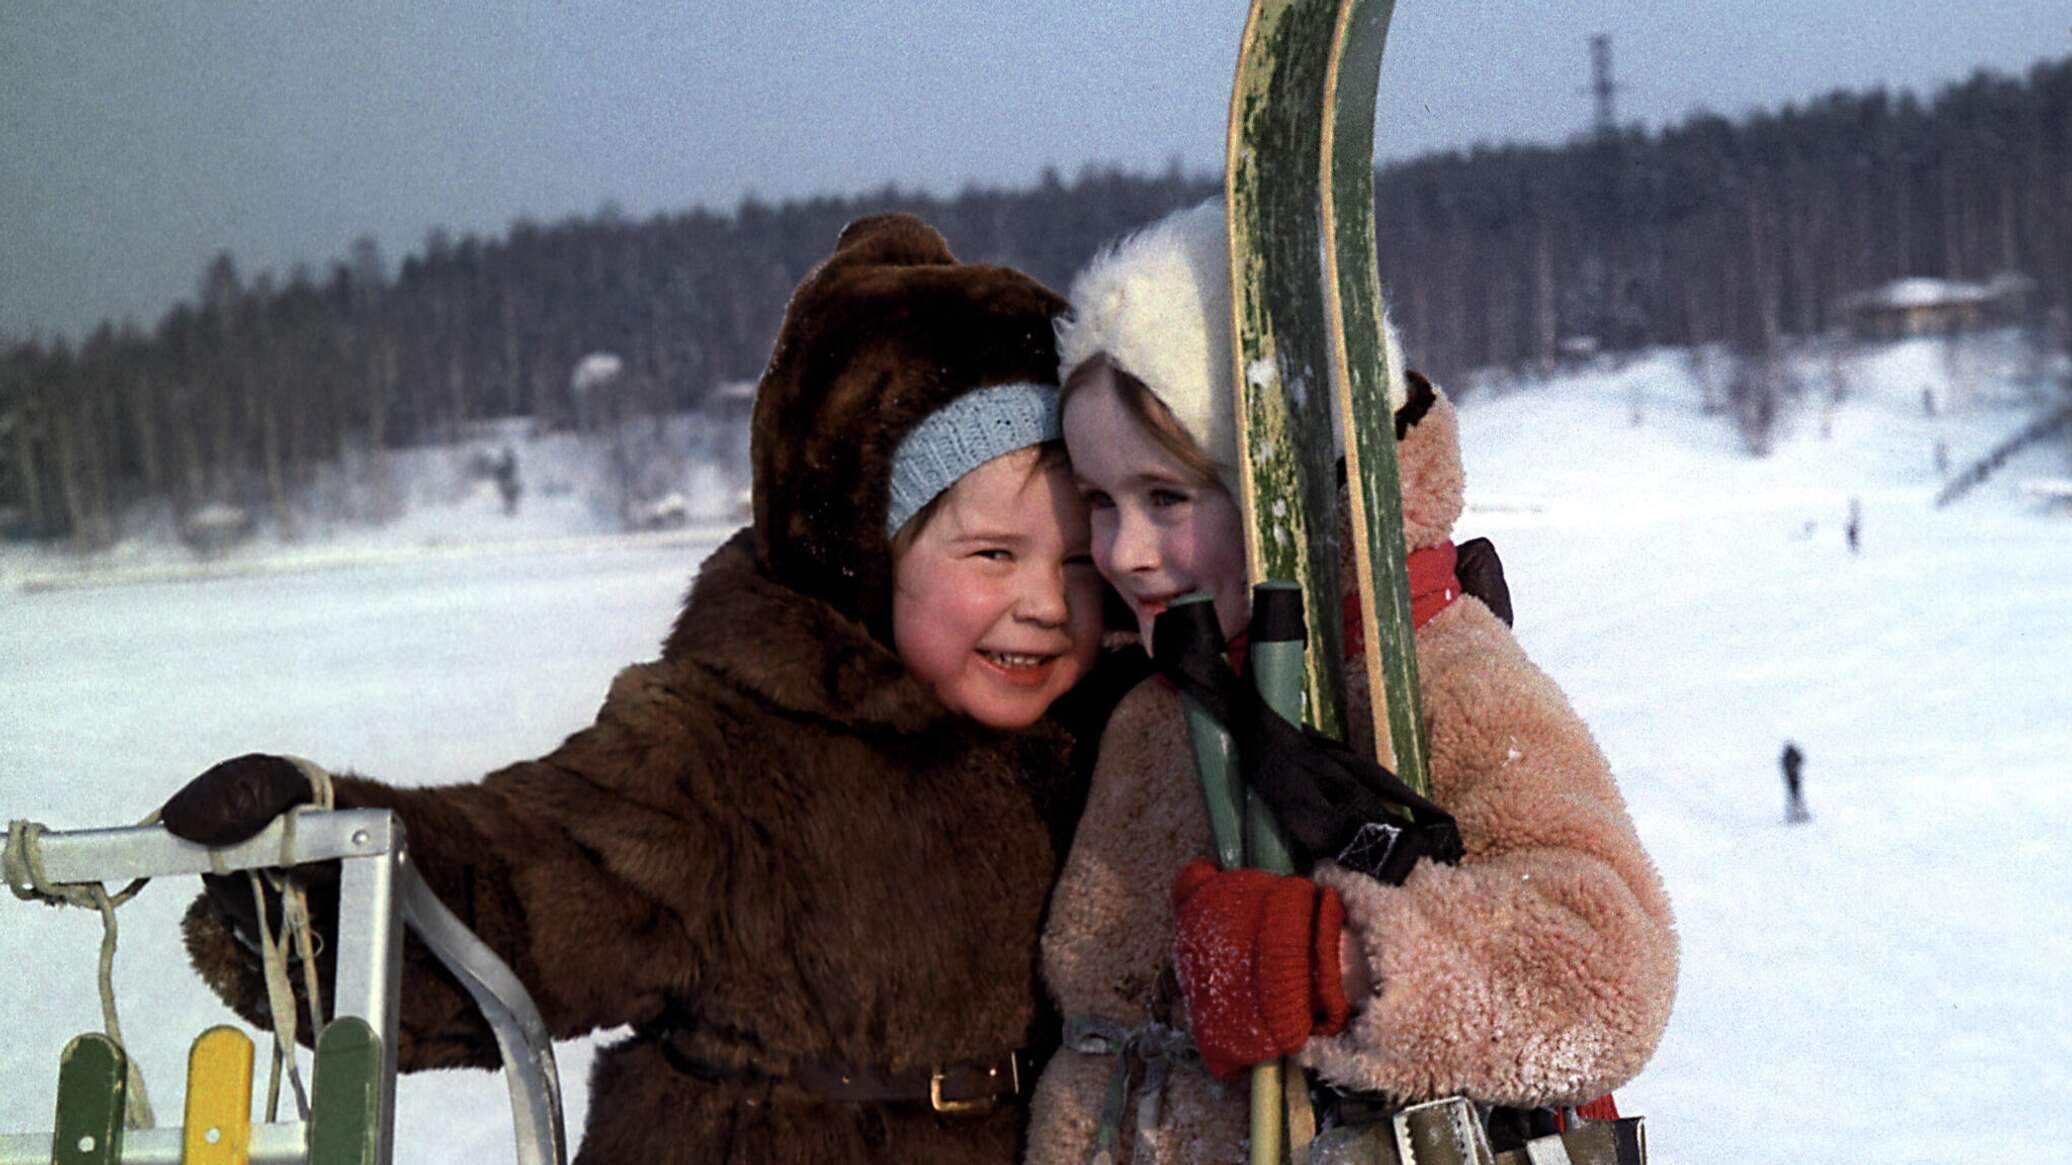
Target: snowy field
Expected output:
[1888,982]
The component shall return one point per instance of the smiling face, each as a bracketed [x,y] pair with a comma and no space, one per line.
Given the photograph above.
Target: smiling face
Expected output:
[1160,528]
[996,604]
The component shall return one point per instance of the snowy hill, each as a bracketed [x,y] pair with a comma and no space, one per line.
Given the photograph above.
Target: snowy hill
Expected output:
[1886,982]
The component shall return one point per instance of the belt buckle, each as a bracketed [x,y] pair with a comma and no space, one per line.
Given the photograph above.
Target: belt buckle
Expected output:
[937,1102]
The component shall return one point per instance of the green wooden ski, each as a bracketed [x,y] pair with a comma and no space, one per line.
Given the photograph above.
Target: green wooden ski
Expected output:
[344,1117]
[93,1083]
[1300,174]
[1285,402]
[1360,379]
[1281,358]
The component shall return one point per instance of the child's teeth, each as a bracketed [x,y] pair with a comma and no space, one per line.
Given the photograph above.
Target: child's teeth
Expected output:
[1017,660]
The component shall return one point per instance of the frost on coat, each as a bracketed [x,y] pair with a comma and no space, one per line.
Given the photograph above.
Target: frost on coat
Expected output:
[1540,970]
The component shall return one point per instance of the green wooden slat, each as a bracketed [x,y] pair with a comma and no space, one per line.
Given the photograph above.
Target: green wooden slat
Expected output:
[1281,362]
[344,1116]
[93,1083]
[1353,285]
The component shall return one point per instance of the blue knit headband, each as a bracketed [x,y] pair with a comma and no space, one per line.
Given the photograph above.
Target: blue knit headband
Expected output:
[963,435]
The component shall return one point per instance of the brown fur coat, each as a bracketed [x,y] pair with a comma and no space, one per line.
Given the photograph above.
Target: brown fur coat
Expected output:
[1540,970]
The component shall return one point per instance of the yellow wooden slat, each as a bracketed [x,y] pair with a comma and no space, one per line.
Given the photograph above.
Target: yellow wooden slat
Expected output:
[218,1126]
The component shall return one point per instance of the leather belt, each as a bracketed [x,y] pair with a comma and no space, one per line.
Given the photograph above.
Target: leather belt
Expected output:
[965,1086]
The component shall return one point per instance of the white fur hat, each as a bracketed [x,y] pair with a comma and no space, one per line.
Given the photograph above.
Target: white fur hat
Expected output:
[1158,303]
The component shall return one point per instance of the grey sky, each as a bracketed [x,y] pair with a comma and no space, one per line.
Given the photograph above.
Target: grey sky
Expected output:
[139,138]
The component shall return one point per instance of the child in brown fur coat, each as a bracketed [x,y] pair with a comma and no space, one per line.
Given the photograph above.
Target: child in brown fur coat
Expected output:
[1537,971]
[804,853]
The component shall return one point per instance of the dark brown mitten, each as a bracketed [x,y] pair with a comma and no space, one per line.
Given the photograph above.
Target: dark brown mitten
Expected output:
[233,800]
[1481,574]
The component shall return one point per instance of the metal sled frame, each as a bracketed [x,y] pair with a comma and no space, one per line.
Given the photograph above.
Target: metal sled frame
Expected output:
[379,892]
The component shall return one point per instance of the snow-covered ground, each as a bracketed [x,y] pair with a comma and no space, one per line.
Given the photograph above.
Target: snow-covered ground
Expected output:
[1887,982]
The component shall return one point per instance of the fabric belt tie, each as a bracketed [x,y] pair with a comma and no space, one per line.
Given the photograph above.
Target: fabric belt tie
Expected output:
[1154,1048]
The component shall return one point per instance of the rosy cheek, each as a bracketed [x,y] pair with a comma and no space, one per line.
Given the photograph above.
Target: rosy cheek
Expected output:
[1102,544]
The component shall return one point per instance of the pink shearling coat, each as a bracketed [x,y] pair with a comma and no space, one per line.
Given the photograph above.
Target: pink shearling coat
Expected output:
[1540,970]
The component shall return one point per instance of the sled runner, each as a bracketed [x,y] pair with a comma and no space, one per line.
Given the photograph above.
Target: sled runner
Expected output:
[351,1107]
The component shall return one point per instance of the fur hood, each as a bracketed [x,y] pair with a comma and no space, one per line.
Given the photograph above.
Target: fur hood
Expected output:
[1158,303]
[1428,464]
[887,330]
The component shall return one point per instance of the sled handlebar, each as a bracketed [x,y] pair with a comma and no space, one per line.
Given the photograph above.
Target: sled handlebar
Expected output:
[379,893]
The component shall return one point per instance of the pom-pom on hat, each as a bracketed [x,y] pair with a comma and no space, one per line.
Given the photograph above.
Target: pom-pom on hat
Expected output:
[963,435]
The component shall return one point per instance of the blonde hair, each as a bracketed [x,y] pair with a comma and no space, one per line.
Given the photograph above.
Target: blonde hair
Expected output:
[1143,406]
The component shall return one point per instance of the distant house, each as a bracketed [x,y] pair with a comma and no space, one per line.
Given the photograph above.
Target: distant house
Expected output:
[216,527]
[732,402]
[1919,306]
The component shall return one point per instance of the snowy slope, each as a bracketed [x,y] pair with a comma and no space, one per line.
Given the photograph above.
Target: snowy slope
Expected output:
[1886,982]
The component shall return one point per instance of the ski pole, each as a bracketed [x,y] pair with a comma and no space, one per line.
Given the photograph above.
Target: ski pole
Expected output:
[1241,825]
[1280,1100]
[1188,629]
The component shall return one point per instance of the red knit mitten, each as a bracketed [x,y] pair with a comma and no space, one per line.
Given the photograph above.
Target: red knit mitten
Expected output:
[1257,959]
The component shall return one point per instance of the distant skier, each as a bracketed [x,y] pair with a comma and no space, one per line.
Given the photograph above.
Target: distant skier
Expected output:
[507,484]
[1854,529]
[1794,798]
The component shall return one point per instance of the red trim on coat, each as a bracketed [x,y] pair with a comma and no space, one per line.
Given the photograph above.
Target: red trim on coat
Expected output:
[1604,1108]
[1433,587]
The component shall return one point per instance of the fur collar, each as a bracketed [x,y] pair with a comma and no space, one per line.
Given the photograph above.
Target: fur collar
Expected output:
[795,651]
